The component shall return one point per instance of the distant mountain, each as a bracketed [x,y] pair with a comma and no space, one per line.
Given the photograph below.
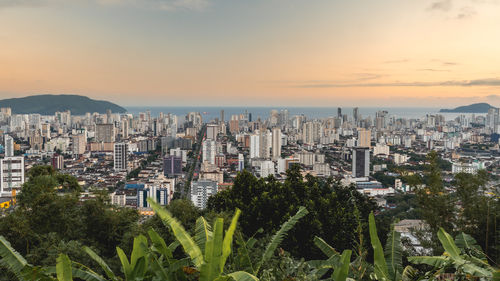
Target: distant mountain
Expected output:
[473,108]
[49,104]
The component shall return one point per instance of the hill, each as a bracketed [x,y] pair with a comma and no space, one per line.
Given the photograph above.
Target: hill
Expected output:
[473,108]
[49,104]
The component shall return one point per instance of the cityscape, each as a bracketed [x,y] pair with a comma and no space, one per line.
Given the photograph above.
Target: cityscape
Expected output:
[262,140]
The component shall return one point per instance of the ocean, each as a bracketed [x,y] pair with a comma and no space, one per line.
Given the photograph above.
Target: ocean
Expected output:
[210,113]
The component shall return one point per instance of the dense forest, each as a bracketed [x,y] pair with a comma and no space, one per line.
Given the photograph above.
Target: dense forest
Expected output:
[300,229]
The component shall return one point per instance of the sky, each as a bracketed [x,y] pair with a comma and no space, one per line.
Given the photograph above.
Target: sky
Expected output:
[426,53]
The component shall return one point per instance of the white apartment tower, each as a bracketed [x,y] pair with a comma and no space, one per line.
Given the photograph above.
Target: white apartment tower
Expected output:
[9,146]
[12,174]
[276,144]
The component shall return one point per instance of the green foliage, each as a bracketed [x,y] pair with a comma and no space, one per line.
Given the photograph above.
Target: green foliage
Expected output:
[466,266]
[268,203]
[211,262]
[49,220]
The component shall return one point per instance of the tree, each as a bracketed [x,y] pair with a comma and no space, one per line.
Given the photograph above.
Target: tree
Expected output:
[436,204]
[50,218]
[268,203]
[479,211]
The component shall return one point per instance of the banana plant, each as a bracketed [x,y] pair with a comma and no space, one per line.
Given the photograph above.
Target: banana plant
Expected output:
[18,266]
[339,263]
[217,247]
[464,260]
[246,246]
[388,262]
[147,262]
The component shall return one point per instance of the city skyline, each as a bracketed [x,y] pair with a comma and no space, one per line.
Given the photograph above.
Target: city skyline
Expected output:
[275,53]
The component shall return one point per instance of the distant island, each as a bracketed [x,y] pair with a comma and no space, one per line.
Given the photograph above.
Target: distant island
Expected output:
[49,104]
[473,108]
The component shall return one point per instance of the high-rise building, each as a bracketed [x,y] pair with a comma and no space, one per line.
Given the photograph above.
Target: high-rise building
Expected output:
[361,162]
[9,146]
[79,144]
[254,146]
[57,162]
[339,112]
[124,128]
[222,116]
[209,150]
[172,166]
[7,111]
[120,156]
[11,174]
[276,145]
[200,192]
[364,138]
[105,133]
[158,193]
[212,131]
[241,162]
[355,115]
[266,168]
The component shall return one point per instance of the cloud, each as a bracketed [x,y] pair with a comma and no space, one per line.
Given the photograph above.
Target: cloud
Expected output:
[445,63]
[433,70]
[495,82]
[493,97]
[396,61]
[166,5]
[466,12]
[441,5]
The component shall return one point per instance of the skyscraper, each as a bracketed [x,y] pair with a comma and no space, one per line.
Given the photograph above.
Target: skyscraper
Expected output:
[355,115]
[57,161]
[105,133]
[120,156]
[9,146]
[200,192]
[339,112]
[364,138]
[241,162]
[172,165]
[361,162]
[11,174]
[212,131]
[79,144]
[209,150]
[276,145]
[254,146]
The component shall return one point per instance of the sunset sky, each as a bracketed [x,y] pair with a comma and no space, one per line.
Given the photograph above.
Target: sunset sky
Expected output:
[254,52]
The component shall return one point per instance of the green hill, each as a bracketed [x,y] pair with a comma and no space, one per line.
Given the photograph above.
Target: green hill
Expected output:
[473,108]
[49,104]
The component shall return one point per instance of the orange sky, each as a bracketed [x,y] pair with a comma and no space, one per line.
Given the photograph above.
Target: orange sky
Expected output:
[262,52]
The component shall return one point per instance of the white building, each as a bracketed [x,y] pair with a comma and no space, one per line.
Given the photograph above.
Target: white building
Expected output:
[254,146]
[79,144]
[381,149]
[209,150]
[470,168]
[276,146]
[266,168]
[212,131]
[9,146]
[200,192]
[120,156]
[12,174]
[241,162]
